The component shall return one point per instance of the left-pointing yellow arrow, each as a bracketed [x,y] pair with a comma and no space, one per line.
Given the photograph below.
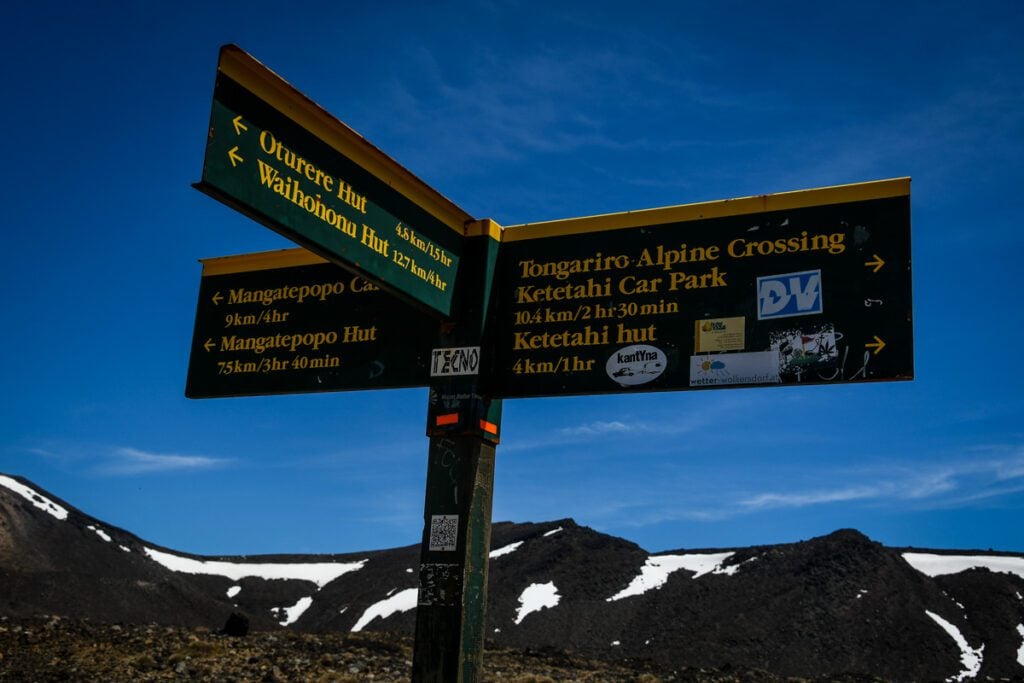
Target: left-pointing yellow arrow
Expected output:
[208,344]
[217,298]
[239,126]
[235,158]
[877,345]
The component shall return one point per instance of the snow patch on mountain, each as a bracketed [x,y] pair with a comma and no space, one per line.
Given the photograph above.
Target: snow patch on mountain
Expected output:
[505,550]
[100,532]
[402,601]
[292,614]
[320,573]
[938,565]
[37,499]
[970,657]
[552,532]
[234,590]
[1020,652]
[655,572]
[536,597]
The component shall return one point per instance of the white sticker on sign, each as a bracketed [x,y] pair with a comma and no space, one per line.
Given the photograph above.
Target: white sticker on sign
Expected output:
[444,532]
[714,370]
[464,360]
[637,364]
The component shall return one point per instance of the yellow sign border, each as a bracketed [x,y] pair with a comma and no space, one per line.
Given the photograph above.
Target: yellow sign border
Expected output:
[249,72]
[838,194]
[263,260]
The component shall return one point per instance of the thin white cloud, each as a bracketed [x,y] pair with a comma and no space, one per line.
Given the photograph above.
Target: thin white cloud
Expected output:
[662,424]
[953,483]
[1011,468]
[930,484]
[128,461]
[950,484]
[591,431]
[544,103]
[943,135]
[765,501]
[969,498]
[600,428]
[53,451]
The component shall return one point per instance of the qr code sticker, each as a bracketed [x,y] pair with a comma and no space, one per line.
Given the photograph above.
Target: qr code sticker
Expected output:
[444,532]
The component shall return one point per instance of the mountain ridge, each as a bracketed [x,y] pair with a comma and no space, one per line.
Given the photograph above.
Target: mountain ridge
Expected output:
[833,604]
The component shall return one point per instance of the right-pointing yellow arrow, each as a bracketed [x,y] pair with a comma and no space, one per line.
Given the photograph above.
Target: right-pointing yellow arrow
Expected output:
[876,263]
[235,158]
[877,345]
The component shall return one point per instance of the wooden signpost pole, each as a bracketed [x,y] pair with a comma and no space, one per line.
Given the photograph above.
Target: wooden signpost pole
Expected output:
[463,426]
[453,565]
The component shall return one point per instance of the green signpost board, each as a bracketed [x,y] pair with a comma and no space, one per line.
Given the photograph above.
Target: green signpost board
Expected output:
[794,288]
[290,322]
[279,158]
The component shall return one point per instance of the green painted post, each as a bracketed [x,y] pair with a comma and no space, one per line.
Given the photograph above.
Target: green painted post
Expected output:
[463,424]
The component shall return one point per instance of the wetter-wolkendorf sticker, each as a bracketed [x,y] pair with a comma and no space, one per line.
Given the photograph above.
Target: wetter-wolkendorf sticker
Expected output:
[637,364]
[719,334]
[784,296]
[715,370]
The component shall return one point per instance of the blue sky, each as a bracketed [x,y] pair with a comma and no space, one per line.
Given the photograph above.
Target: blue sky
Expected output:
[518,112]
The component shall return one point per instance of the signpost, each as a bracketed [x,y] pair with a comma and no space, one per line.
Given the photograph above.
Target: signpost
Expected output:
[803,287]
[276,156]
[290,322]
[795,288]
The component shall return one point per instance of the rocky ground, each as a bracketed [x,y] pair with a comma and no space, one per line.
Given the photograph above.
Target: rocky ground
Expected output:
[57,649]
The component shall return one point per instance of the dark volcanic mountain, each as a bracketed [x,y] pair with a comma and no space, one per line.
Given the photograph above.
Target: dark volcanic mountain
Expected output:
[828,606]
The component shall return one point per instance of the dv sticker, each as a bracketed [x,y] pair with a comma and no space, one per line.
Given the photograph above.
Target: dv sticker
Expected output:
[638,364]
[784,296]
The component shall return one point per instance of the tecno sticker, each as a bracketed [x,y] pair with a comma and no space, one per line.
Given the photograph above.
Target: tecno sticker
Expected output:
[784,296]
[463,360]
[637,364]
[715,370]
